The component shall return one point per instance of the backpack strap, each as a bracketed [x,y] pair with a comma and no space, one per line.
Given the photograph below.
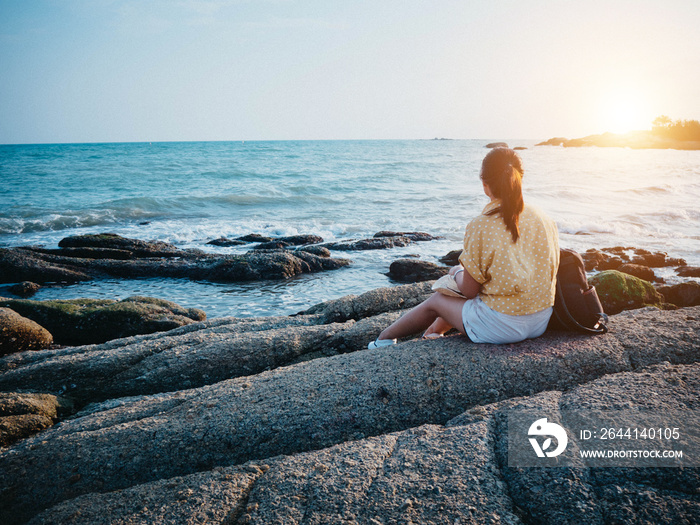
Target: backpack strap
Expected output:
[599,328]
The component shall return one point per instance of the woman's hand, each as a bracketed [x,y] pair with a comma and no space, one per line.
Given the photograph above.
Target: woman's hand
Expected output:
[465,282]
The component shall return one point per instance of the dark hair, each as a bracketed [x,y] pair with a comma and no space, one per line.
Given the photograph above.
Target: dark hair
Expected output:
[502,170]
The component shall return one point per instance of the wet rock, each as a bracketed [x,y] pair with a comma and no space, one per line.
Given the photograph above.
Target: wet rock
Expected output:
[319,251]
[378,243]
[272,245]
[18,333]
[619,291]
[413,271]
[226,242]
[300,240]
[23,264]
[414,236]
[24,414]
[637,270]
[688,271]
[254,237]
[497,145]
[25,289]
[113,241]
[452,258]
[87,321]
[655,259]
[86,253]
[682,294]
[614,257]
[305,408]
[381,241]
[597,260]
[519,148]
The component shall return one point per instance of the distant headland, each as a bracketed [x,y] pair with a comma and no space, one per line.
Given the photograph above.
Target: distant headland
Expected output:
[664,134]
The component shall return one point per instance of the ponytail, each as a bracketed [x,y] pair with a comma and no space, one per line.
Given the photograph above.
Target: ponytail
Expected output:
[502,170]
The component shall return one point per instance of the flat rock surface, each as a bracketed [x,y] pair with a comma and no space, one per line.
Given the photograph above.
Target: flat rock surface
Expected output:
[339,400]
[429,474]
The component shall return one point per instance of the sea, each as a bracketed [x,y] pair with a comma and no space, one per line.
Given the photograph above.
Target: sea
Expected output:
[193,192]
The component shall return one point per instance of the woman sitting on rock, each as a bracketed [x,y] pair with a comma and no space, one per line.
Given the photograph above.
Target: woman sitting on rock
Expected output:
[507,271]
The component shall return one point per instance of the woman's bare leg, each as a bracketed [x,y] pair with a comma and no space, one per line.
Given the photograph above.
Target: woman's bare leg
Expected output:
[425,314]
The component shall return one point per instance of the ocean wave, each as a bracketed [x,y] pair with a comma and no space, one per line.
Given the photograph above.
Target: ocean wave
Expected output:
[67,220]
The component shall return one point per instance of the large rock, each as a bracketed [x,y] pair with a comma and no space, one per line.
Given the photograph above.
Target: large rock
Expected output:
[640,271]
[192,356]
[414,236]
[619,291]
[18,333]
[225,241]
[682,294]
[371,303]
[112,241]
[613,258]
[689,271]
[452,473]
[86,321]
[233,347]
[412,270]
[24,289]
[597,260]
[139,259]
[451,258]
[18,265]
[24,414]
[375,243]
[315,404]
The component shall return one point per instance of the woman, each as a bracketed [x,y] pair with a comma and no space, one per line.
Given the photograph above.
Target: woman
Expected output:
[507,270]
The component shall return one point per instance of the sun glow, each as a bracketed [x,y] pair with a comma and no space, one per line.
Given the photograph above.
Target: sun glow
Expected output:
[624,111]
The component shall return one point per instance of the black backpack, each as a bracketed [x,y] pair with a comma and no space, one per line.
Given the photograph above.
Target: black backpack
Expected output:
[576,306]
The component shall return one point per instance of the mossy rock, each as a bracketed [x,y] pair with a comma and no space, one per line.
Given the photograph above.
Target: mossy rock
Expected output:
[19,333]
[23,414]
[90,321]
[620,291]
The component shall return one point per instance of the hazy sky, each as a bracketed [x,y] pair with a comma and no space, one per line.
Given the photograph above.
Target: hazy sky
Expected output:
[128,70]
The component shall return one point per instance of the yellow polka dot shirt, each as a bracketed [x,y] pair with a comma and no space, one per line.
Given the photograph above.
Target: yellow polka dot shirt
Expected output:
[516,278]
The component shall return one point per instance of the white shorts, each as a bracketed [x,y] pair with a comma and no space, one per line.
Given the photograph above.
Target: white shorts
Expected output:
[484,325]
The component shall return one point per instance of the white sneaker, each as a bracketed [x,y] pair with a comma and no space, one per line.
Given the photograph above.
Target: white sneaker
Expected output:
[380,343]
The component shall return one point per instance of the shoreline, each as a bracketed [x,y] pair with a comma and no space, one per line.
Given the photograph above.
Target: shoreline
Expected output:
[303,393]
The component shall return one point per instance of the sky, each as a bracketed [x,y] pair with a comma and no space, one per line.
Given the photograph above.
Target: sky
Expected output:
[132,71]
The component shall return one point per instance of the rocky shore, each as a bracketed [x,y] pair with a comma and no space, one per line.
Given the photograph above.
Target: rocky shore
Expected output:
[291,420]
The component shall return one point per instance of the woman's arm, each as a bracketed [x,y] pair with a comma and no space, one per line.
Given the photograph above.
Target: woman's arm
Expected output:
[465,282]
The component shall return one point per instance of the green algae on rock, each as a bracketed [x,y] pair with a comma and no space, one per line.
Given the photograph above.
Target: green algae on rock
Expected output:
[620,291]
[18,333]
[24,414]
